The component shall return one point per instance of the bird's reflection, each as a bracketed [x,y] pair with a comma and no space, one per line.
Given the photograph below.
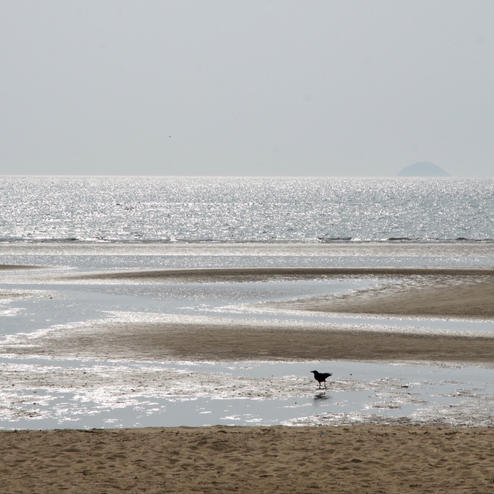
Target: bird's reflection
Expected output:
[321,396]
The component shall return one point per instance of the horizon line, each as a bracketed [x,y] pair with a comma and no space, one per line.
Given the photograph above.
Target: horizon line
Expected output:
[236,176]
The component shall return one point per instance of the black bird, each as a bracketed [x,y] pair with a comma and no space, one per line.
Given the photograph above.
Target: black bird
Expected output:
[321,377]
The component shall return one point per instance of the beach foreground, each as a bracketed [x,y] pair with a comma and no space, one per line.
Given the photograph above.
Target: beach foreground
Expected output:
[370,459]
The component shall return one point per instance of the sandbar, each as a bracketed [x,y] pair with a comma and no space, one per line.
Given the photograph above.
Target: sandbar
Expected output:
[17,266]
[465,295]
[472,297]
[248,274]
[171,341]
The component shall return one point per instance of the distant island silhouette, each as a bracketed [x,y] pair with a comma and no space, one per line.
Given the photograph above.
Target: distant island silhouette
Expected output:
[423,169]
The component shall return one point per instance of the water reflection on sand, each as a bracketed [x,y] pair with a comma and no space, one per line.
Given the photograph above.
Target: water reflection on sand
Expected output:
[48,393]
[54,392]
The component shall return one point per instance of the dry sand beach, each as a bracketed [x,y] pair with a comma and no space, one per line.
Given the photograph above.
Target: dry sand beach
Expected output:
[357,459]
[363,458]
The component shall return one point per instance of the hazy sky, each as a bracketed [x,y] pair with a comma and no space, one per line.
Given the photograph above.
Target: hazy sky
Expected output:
[252,87]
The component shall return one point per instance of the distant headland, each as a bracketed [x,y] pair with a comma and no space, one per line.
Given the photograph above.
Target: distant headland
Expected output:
[423,169]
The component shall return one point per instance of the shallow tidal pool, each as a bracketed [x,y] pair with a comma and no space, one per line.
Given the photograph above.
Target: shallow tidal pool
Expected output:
[100,394]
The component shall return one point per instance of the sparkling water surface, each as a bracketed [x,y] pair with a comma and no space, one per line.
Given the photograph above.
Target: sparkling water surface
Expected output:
[245,209]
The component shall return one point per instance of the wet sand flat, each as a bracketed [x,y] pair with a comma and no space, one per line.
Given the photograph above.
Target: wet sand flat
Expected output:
[370,458]
[247,274]
[440,297]
[164,341]
[6,267]
[469,296]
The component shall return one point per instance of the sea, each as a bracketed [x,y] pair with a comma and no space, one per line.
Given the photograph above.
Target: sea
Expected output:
[245,209]
[69,226]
